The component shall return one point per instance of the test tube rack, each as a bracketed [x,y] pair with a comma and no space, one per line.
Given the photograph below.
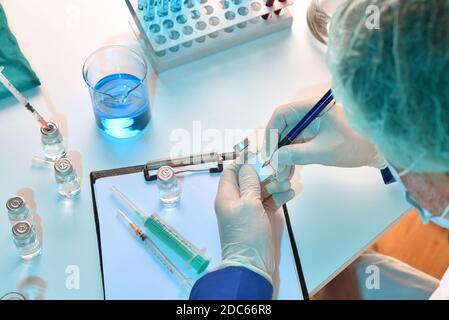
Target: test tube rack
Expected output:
[204,27]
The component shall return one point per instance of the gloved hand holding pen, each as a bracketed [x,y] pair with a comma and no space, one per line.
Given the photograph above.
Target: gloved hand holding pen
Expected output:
[329,140]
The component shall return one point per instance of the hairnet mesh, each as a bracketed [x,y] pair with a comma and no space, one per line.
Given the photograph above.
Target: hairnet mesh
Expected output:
[394,80]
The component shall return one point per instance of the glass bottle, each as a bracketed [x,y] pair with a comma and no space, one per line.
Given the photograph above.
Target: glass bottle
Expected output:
[26,240]
[52,142]
[66,178]
[18,210]
[169,191]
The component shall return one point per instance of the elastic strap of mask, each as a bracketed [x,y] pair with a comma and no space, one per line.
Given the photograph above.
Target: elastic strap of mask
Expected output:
[413,165]
[445,212]
[422,213]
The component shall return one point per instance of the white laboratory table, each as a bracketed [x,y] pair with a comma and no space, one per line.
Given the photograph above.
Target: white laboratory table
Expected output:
[336,215]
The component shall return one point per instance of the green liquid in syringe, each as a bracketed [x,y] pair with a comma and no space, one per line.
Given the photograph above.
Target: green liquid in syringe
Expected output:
[180,245]
[169,236]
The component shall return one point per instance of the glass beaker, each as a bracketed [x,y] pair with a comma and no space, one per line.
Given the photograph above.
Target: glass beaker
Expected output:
[117,81]
[319,16]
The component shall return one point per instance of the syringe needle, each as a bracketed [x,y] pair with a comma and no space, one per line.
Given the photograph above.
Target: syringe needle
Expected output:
[21,98]
[124,199]
[156,251]
[40,162]
[167,234]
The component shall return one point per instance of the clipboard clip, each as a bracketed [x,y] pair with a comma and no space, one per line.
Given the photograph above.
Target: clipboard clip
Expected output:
[193,163]
[211,162]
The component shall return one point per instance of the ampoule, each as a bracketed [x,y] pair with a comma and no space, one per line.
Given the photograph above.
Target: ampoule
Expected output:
[167,182]
[52,142]
[26,240]
[18,210]
[66,178]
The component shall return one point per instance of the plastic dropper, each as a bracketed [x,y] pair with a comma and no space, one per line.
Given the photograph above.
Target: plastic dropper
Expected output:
[21,98]
[156,251]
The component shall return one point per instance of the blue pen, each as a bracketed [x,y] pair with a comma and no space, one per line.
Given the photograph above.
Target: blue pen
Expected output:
[305,122]
[308,119]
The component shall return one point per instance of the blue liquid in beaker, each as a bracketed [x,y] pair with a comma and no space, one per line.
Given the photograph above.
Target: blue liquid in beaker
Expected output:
[121,105]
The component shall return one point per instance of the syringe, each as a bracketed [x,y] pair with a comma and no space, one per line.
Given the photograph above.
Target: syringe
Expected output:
[193,256]
[156,251]
[21,98]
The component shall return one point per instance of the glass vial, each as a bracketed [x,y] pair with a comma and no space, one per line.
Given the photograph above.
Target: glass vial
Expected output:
[67,179]
[52,142]
[169,192]
[18,210]
[26,240]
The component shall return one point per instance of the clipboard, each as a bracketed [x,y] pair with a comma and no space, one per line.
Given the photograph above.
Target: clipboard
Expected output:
[130,271]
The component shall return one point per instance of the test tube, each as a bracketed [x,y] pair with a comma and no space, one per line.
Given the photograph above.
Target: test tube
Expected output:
[175,5]
[141,4]
[162,8]
[149,11]
[269,4]
[225,4]
[278,12]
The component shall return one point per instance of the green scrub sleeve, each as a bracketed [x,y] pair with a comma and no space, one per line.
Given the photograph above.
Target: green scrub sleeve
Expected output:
[17,68]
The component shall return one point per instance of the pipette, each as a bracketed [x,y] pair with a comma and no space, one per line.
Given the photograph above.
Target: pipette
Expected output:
[21,98]
[156,251]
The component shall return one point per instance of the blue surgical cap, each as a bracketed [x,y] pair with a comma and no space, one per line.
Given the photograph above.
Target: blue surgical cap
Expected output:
[389,61]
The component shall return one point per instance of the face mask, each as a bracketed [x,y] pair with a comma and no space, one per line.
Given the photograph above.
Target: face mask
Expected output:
[424,214]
